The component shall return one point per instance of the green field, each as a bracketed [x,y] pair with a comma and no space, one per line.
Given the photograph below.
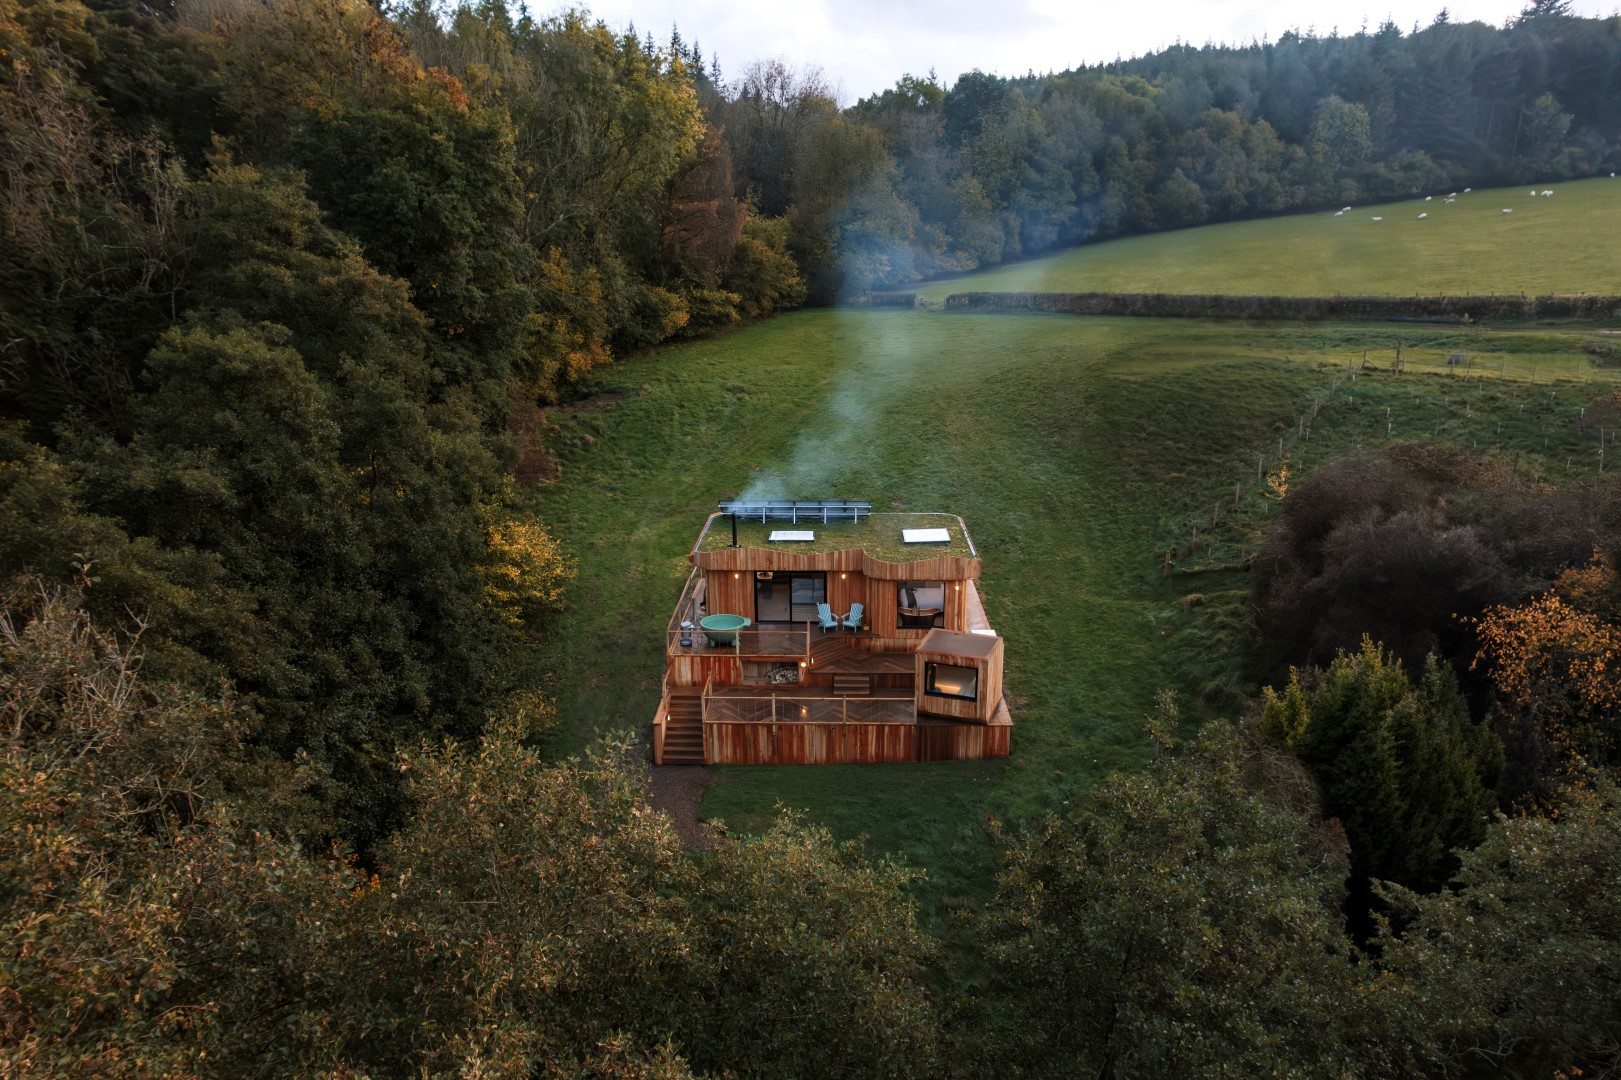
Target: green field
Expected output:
[1562,244]
[1078,450]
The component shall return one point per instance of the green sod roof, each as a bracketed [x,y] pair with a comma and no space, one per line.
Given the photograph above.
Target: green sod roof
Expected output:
[879,535]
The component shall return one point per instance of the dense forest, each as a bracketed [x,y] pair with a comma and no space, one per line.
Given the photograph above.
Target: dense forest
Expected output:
[284,289]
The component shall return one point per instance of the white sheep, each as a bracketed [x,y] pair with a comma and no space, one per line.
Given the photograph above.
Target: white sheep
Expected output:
[1448,202]
[1452,195]
[1506,211]
[1547,194]
[1427,198]
[1467,190]
[1421,217]
[1378,219]
[1347,208]
[1339,213]
[1533,194]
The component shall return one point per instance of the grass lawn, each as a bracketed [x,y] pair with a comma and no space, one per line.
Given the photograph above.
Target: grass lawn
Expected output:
[1562,244]
[1076,449]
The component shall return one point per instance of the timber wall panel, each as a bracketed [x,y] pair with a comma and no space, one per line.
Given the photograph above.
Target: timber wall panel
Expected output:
[695,670]
[809,743]
[798,742]
[748,560]
[963,742]
[847,591]
[731,592]
[731,595]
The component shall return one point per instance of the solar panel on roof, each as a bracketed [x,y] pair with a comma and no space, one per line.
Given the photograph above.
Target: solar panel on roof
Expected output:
[926,536]
[827,511]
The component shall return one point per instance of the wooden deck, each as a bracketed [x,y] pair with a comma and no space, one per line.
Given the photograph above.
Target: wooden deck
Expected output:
[852,654]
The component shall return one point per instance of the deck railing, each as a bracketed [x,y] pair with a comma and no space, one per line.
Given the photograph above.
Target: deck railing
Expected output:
[787,641]
[661,716]
[803,708]
[685,609]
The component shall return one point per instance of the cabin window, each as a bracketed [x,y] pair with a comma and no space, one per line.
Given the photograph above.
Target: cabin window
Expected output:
[920,605]
[950,680]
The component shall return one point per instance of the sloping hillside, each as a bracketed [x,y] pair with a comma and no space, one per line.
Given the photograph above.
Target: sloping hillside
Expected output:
[1563,243]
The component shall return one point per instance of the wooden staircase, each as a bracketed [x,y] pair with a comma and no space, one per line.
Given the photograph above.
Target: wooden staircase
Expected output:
[845,685]
[684,727]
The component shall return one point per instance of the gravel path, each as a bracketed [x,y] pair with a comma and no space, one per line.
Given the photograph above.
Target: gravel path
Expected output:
[677,790]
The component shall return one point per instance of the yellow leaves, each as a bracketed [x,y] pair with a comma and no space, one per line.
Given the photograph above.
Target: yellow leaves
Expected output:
[531,714]
[1548,639]
[1559,652]
[1277,483]
[525,570]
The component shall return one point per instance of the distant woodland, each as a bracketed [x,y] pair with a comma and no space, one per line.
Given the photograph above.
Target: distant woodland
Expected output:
[284,287]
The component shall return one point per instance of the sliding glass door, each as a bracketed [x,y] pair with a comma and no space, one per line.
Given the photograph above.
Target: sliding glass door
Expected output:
[788,596]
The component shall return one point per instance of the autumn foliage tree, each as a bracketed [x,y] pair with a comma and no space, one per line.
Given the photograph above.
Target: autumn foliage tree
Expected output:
[1555,665]
[525,572]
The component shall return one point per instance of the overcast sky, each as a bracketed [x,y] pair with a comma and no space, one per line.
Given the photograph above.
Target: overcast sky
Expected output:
[864,47]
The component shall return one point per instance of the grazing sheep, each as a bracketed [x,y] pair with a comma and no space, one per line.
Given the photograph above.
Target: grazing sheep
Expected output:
[1533,194]
[1467,190]
[1547,194]
[1506,211]
[1448,202]
[1453,195]
[1378,219]
[1421,217]
[1347,208]
[1339,213]
[1427,198]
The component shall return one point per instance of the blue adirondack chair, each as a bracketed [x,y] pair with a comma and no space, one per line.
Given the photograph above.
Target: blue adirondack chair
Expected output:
[852,621]
[830,621]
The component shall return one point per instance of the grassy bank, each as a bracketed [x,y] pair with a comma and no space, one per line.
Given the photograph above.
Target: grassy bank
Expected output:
[1077,450]
[1547,245]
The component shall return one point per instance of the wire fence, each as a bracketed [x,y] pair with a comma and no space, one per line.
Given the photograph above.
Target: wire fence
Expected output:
[1558,419]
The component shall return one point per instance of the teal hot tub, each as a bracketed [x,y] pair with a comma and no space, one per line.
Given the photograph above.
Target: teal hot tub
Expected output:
[722,629]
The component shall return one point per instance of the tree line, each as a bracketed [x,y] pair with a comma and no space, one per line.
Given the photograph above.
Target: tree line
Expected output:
[527,918]
[283,289]
[992,169]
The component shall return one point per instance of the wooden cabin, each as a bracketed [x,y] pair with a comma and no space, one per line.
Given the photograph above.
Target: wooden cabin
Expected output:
[754,677]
